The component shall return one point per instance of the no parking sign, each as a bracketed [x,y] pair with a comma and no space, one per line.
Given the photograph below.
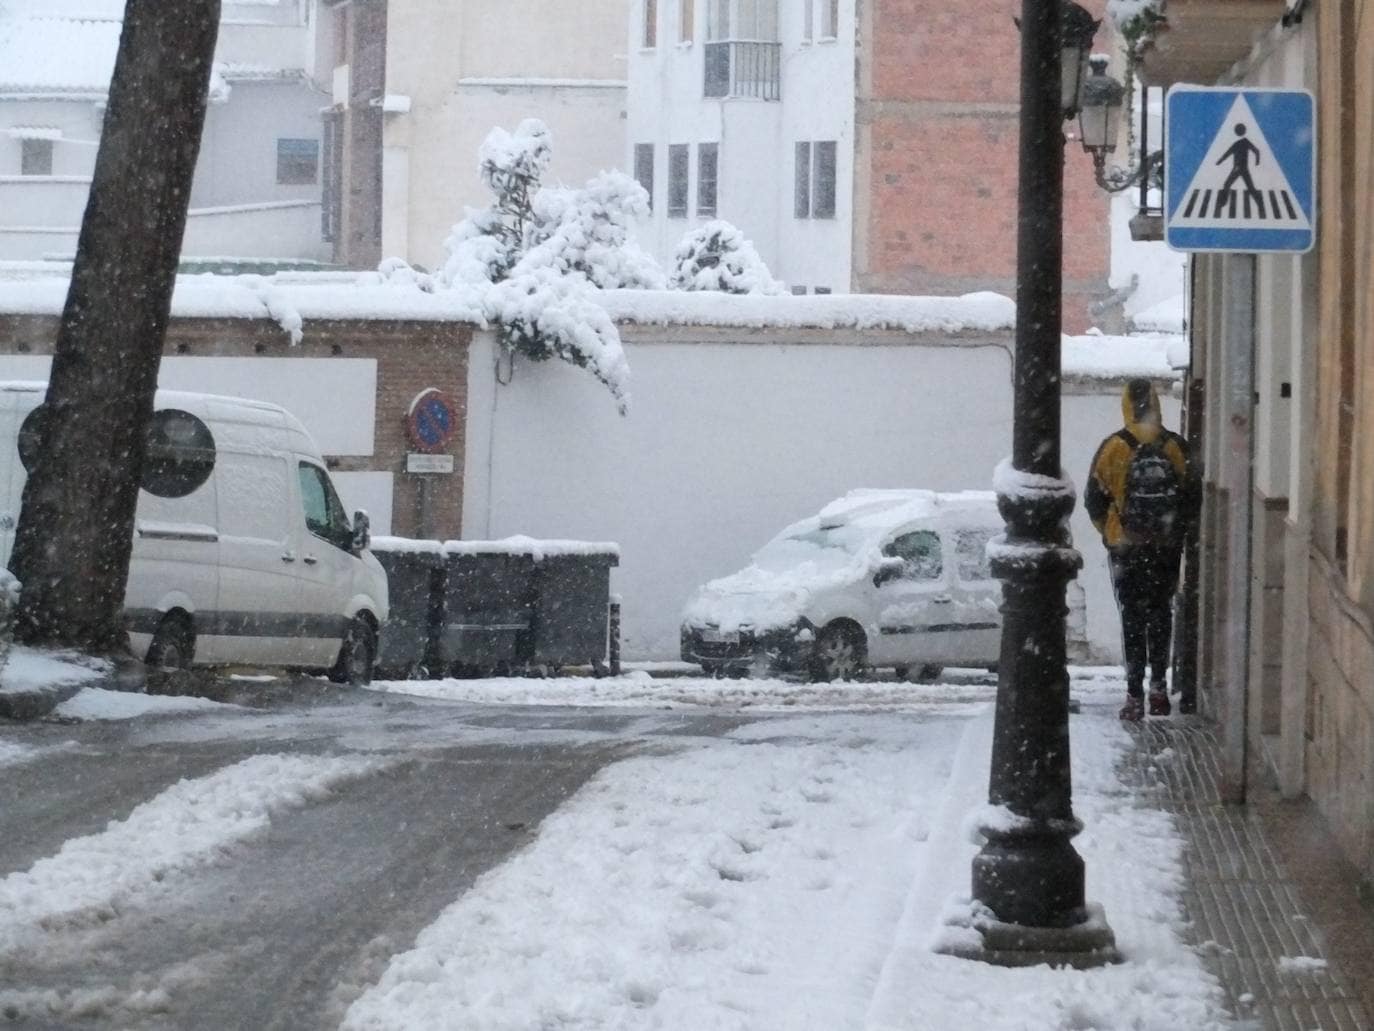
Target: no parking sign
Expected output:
[432,420]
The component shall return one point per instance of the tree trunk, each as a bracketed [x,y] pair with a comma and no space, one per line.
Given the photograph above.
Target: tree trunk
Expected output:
[75,532]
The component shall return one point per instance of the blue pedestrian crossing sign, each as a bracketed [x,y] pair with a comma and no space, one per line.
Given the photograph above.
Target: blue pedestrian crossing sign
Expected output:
[1240,170]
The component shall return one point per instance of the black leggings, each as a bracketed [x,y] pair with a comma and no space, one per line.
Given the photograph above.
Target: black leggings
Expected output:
[1145,579]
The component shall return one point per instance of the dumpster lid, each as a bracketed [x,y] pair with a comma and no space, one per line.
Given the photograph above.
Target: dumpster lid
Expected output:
[536,549]
[405,545]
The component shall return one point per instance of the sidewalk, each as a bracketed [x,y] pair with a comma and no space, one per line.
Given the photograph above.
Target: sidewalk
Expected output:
[1265,882]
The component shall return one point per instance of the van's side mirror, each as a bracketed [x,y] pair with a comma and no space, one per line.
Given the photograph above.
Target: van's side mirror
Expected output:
[362,532]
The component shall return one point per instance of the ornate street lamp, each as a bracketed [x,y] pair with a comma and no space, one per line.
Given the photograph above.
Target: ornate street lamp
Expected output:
[1099,126]
[1029,904]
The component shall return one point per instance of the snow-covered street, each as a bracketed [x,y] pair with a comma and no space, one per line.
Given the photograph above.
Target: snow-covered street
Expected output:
[724,855]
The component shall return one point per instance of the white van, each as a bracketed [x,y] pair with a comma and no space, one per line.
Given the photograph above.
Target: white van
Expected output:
[895,578]
[242,551]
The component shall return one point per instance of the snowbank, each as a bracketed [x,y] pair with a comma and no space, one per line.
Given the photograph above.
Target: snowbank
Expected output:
[95,703]
[32,669]
[1164,317]
[189,825]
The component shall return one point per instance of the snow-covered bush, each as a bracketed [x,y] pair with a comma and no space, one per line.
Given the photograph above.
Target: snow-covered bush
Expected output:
[716,256]
[546,315]
[1137,21]
[536,253]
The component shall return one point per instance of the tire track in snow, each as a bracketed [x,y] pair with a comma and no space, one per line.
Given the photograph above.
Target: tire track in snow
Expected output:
[189,825]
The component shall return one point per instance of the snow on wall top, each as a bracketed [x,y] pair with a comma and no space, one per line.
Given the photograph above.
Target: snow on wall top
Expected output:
[1097,356]
[972,312]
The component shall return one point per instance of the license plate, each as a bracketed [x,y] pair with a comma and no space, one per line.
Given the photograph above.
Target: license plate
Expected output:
[720,637]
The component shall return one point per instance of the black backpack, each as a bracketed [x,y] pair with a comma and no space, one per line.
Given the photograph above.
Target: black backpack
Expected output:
[1154,491]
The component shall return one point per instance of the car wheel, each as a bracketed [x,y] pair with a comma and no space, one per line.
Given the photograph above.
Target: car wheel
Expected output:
[356,655]
[929,673]
[839,653]
[173,647]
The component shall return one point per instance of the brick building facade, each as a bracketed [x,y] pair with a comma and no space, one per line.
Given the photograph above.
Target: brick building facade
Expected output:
[936,160]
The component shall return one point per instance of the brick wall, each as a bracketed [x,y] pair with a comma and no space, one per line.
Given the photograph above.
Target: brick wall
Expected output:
[409,356]
[937,160]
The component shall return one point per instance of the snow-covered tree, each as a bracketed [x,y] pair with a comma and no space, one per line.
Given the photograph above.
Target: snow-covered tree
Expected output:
[717,256]
[538,250]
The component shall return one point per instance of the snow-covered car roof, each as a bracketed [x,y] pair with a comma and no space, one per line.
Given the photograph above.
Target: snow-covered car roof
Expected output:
[881,510]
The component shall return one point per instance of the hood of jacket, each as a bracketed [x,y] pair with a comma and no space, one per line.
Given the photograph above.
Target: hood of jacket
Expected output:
[1140,410]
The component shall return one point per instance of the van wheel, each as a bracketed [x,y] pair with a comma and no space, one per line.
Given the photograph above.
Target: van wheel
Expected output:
[173,647]
[356,655]
[929,673]
[839,654]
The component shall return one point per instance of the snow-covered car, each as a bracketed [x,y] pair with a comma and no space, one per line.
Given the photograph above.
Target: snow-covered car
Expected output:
[879,578]
[242,551]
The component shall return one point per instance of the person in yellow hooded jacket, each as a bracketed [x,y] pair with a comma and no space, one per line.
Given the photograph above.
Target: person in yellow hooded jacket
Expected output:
[1141,496]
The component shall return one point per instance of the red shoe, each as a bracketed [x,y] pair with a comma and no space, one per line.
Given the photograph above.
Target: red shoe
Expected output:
[1134,709]
[1159,703]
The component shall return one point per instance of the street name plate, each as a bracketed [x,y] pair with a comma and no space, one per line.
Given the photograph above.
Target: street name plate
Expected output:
[429,463]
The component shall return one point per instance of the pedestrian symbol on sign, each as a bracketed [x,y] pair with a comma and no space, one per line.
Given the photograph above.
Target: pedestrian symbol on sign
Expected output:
[1239,170]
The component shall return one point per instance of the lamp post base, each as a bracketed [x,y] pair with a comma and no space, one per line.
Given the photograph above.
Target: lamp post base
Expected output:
[971,932]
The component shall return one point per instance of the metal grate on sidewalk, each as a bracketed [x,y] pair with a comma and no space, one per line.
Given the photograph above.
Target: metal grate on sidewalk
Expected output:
[1247,915]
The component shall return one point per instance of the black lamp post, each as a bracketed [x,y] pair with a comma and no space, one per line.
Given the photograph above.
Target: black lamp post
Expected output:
[1028,878]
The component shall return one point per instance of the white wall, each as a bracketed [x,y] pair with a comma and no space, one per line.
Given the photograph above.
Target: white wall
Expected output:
[726,443]
[756,138]
[238,157]
[334,398]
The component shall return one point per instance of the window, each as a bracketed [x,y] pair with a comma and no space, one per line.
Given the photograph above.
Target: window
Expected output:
[687,22]
[823,180]
[971,554]
[650,23]
[708,169]
[679,162]
[830,18]
[920,554]
[35,157]
[802,205]
[742,19]
[324,513]
[331,192]
[799,291]
[644,169]
[821,290]
[718,20]
[180,455]
[298,162]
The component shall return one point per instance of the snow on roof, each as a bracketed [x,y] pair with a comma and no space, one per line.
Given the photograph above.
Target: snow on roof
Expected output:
[57,55]
[70,50]
[971,312]
[883,509]
[1098,356]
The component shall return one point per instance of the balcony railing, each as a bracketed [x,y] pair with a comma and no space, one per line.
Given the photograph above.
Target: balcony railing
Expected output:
[744,68]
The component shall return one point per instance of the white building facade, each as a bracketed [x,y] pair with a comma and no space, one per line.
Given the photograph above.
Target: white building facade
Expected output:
[744,110]
[256,193]
[418,84]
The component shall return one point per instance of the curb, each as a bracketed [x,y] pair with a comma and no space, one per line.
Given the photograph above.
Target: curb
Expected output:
[33,705]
